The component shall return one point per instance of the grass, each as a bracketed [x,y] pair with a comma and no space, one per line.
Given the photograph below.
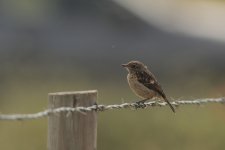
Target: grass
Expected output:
[191,127]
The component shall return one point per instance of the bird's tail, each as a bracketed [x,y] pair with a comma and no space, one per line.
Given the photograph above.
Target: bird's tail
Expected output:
[173,109]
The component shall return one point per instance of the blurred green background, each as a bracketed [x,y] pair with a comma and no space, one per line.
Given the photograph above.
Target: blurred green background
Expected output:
[71,45]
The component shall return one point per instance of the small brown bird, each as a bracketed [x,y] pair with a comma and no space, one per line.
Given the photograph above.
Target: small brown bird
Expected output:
[143,83]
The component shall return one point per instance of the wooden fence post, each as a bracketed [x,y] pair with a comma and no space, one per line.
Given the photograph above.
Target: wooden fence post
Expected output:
[72,130]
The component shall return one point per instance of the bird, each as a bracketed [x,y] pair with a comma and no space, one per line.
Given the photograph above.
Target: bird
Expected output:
[144,83]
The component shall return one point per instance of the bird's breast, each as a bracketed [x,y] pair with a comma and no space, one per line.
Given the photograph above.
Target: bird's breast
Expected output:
[138,88]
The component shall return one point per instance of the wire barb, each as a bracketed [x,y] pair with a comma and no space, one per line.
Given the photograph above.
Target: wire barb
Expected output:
[100,108]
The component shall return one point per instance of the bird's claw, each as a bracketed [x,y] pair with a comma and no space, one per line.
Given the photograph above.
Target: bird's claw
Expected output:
[140,104]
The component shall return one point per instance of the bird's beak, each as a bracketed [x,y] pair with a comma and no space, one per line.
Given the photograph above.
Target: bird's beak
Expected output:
[125,65]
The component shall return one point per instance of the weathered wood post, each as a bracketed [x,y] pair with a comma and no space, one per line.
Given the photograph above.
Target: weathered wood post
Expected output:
[72,130]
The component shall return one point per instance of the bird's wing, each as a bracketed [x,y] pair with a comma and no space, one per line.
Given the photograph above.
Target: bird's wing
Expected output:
[149,80]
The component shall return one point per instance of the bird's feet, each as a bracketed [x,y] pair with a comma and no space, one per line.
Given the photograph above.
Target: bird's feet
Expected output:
[141,104]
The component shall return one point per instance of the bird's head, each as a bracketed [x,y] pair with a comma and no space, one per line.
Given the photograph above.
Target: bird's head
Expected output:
[134,66]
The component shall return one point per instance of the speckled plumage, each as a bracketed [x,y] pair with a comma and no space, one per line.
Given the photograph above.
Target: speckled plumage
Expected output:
[143,83]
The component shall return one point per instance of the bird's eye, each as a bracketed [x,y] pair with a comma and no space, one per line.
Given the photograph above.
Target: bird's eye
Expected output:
[133,66]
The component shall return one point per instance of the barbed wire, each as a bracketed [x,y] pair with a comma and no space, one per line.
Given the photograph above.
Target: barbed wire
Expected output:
[99,108]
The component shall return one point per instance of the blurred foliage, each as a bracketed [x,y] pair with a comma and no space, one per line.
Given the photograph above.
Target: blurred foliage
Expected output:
[192,127]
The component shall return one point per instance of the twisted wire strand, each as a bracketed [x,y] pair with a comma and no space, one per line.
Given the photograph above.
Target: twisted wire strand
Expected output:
[99,108]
